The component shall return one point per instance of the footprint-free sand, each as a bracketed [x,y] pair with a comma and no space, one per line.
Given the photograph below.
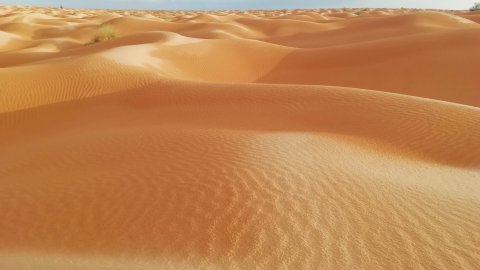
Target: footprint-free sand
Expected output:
[283,139]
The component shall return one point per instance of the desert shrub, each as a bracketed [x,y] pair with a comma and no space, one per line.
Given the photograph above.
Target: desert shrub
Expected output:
[360,12]
[105,32]
[475,7]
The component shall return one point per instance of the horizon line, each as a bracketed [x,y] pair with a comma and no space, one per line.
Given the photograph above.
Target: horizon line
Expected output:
[246,9]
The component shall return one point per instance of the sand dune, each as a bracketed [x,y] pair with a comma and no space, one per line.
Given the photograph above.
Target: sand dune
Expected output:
[285,139]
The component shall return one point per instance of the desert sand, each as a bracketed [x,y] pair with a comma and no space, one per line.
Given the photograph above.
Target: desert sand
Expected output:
[285,139]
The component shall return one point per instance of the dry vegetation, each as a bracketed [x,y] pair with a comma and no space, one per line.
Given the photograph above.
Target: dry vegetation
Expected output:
[259,139]
[105,32]
[475,7]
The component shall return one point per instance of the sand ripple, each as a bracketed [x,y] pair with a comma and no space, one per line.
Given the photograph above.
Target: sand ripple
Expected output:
[210,141]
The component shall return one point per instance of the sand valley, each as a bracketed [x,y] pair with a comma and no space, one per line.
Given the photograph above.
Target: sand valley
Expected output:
[281,139]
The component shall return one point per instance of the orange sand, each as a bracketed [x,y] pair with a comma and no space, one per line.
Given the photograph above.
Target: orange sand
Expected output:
[306,139]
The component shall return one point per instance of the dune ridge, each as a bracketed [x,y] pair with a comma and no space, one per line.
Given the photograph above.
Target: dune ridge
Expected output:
[283,139]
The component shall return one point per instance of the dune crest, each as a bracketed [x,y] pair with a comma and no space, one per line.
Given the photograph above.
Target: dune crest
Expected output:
[283,139]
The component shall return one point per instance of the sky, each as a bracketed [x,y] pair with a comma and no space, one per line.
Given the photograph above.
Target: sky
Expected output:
[243,4]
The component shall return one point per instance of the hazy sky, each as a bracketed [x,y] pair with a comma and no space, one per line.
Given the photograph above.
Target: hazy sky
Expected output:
[243,4]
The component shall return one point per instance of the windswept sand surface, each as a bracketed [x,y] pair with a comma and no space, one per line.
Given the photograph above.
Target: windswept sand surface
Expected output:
[307,139]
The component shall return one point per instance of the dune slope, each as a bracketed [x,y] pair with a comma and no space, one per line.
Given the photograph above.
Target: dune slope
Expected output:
[303,139]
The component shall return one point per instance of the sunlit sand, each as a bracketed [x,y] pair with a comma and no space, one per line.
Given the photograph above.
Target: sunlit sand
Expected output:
[289,139]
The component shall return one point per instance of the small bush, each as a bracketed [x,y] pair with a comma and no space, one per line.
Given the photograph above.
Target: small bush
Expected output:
[475,7]
[105,32]
[360,12]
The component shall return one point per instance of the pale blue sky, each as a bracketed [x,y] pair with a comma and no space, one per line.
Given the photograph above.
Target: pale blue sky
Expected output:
[243,4]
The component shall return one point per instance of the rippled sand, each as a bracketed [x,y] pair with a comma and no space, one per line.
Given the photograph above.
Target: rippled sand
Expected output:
[304,139]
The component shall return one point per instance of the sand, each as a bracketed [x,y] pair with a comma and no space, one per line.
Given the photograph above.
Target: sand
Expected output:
[289,139]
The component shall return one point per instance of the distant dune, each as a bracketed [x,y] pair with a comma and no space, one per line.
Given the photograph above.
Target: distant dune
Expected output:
[288,139]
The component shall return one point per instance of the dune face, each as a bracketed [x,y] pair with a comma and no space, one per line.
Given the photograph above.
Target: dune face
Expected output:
[292,139]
